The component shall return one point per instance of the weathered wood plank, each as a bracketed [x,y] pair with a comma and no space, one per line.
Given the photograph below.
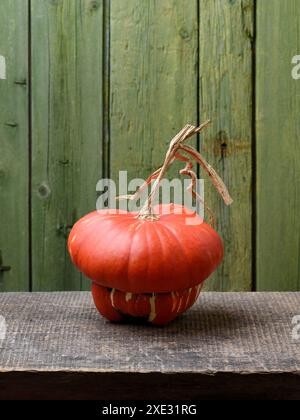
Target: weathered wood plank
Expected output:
[223,332]
[226,31]
[278,146]
[67,130]
[14,231]
[153,80]
[57,345]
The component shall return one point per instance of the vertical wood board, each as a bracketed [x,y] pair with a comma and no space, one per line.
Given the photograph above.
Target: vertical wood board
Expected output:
[278,146]
[14,229]
[153,81]
[67,131]
[226,54]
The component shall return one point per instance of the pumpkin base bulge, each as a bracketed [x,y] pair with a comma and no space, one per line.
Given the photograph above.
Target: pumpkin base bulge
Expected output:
[154,308]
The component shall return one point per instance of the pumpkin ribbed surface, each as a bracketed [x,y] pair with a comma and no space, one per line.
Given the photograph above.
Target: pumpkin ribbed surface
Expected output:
[156,308]
[119,251]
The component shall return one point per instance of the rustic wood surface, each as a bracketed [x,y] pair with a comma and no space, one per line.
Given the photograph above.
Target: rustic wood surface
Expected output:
[67,131]
[226,33]
[225,338]
[278,146]
[153,81]
[98,86]
[14,141]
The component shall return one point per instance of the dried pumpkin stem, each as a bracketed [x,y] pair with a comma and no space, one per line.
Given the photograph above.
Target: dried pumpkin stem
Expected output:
[188,130]
[174,152]
[192,187]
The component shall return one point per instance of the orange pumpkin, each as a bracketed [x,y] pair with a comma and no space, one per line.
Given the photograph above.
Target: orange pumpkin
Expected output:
[150,264]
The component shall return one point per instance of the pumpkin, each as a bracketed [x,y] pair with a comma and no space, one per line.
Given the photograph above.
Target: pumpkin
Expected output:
[149,264]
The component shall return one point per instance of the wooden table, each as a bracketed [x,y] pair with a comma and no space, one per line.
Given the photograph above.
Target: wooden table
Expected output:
[229,345]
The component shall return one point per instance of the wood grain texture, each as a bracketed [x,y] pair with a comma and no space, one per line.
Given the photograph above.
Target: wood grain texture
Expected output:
[14,231]
[222,332]
[165,63]
[226,32]
[278,146]
[62,336]
[153,80]
[67,131]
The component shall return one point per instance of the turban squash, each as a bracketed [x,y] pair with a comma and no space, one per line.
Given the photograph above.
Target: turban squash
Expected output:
[150,264]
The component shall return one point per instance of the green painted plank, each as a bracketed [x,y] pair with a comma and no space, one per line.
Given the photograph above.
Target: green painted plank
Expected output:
[153,80]
[226,32]
[278,146]
[14,241]
[66,131]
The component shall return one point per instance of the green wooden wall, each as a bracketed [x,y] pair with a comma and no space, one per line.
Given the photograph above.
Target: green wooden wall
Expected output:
[93,87]
[14,147]
[278,146]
